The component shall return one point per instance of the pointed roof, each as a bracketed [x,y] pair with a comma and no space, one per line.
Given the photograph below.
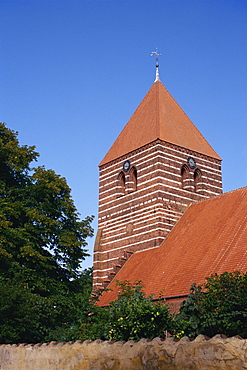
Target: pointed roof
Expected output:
[159,117]
[211,237]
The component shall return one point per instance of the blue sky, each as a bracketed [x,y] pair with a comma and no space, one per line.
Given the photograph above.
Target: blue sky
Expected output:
[73,72]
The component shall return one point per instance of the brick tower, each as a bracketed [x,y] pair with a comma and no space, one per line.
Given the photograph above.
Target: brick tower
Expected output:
[159,164]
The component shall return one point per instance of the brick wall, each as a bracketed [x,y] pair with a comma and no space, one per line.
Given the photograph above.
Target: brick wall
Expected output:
[137,214]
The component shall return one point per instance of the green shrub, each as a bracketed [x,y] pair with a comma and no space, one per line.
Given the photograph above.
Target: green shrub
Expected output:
[131,316]
[217,307]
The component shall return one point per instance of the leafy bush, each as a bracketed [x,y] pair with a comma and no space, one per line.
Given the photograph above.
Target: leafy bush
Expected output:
[217,307]
[131,316]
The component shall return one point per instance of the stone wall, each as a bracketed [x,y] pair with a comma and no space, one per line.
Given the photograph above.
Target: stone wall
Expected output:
[216,353]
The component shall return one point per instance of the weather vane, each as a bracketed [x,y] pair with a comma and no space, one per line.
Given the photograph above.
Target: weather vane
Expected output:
[157,77]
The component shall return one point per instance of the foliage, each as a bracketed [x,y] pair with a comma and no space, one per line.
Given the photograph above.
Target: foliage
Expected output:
[21,313]
[72,307]
[26,316]
[131,316]
[219,306]
[135,316]
[94,325]
[40,227]
[42,246]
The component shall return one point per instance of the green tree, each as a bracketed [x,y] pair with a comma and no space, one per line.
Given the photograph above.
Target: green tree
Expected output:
[217,307]
[43,240]
[73,308]
[24,316]
[131,316]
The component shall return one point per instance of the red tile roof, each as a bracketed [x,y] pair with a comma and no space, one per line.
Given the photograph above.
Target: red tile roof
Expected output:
[211,237]
[159,117]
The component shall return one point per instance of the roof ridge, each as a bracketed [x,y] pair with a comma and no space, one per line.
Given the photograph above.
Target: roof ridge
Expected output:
[157,110]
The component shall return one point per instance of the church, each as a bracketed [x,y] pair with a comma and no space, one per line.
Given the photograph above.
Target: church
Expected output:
[162,217]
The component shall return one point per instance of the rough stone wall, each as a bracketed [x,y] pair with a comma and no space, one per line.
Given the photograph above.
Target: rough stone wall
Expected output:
[216,353]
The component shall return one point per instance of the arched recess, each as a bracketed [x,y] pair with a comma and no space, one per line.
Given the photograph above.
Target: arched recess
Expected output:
[197,180]
[185,177]
[133,179]
[121,184]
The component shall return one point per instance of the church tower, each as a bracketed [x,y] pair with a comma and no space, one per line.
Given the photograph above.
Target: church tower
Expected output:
[159,164]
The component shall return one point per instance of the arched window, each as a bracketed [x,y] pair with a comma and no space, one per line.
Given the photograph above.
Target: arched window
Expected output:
[121,184]
[197,179]
[185,177]
[133,179]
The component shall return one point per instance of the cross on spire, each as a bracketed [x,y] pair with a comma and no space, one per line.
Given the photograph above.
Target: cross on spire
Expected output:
[157,76]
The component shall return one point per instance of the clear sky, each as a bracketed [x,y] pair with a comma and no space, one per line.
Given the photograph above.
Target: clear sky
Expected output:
[72,72]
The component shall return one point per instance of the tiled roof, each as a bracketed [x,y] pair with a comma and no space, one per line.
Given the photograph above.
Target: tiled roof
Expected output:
[211,237]
[159,117]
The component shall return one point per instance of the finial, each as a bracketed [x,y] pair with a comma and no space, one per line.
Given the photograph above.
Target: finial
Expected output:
[157,76]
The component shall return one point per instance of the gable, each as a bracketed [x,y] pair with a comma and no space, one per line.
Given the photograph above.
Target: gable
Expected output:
[211,237]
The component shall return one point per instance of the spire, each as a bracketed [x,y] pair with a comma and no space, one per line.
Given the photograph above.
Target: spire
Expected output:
[157,75]
[158,117]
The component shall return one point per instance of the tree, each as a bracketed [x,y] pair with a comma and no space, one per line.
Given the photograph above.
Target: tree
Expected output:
[131,316]
[24,316]
[42,240]
[40,226]
[217,307]
[73,309]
